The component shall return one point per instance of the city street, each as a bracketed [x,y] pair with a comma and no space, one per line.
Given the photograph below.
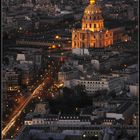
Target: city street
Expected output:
[46,82]
[21,108]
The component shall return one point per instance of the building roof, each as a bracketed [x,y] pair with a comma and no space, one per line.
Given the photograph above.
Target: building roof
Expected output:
[92,9]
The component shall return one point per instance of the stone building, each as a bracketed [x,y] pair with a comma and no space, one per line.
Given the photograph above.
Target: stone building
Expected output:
[93,33]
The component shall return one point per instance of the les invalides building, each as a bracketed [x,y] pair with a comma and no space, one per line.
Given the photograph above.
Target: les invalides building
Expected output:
[93,33]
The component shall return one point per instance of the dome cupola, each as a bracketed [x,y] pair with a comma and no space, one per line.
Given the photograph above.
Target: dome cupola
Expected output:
[92,1]
[92,18]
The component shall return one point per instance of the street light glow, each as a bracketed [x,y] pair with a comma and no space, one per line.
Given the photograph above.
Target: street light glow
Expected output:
[84,136]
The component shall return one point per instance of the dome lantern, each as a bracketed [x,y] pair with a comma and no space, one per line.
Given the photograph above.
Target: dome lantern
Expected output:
[92,1]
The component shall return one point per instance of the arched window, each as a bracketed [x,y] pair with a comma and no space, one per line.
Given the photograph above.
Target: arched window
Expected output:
[74,43]
[75,36]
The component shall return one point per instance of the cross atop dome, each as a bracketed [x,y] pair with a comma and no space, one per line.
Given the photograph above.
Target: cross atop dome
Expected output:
[92,1]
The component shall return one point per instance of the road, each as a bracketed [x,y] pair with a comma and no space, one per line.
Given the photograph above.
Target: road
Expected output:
[22,107]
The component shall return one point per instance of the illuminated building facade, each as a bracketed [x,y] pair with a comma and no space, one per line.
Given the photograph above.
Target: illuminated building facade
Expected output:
[93,34]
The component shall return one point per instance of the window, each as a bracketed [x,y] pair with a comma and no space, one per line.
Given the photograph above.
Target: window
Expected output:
[74,43]
[94,25]
[83,36]
[90,25]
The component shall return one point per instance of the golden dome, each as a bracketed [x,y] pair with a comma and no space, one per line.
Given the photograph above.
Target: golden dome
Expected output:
[92,19]
[92,9]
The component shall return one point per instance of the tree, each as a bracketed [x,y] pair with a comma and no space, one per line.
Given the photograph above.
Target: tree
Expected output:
[79,90]
[67,92]
[112,94]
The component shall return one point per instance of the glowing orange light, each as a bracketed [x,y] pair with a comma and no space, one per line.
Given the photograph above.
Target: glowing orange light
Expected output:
[57,37]
[53,46]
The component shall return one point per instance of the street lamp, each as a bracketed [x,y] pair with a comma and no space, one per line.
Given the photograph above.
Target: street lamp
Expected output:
[84,135]
[57,37]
